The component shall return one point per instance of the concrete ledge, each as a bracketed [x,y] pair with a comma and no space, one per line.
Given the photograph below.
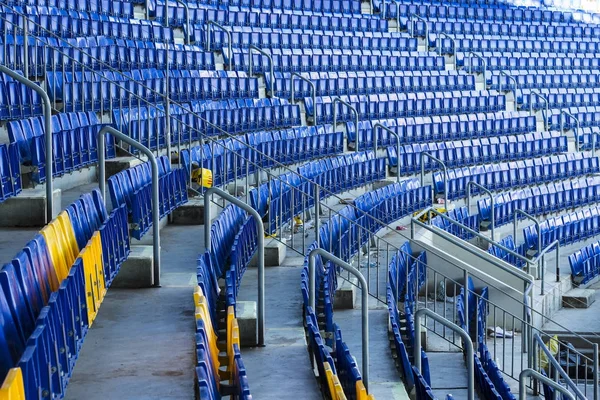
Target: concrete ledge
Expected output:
[345,295]
[192,213]
[275,253]
[138,271]
[579,298]
[118,164]
[28,209]
[246,315]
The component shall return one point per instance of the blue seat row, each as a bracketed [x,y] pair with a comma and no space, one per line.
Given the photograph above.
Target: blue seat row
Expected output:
[442,128]
[317,6]
[18,101]
[331,61]
[369,82]
[475,151]
[243,249]
[132,187]
[510,258]
[565,98]
[567,229]
[74,142]
[268,38]
[539,200]
[384,106]
[585,264]
[561,46]
[232,159]
[587,116]
[516,173]
[586,138]
[528,61]
[53,7]
[494,374]
[10,171]
[542,79]
[460,215]
[523,30]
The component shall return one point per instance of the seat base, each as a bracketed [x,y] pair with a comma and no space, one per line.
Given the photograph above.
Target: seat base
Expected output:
[28,209]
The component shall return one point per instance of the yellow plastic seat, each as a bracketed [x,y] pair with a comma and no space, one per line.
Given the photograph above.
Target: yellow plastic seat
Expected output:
[361,392]
[233,336]
[95,288]
[203,177]
[335,387]
[57,253]
[68,236]
[99,264]
[202,312]
[13,387]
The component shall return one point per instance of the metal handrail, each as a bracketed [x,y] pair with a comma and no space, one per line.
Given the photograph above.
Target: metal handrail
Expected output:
[412,27]
[260,232]
[575,133]
[512,78]
[353,109]
[187,19]
[364,298]
[535,93]
[444,168]
[229,40]
[313,89]
[483,60]
[529,372]
[391,132]
[384,11]
[530,217]
[439,40]
[537,340]
[252,48]
[48,135]
[489,193]
[468,343]
[100,138]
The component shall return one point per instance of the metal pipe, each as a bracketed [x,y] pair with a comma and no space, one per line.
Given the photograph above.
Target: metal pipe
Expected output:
[364,287]
[317,213]
[48,134]
[25,47]
[489,193]
[518,212]
[596,382]
[167,99]
[512,78]
[444,168]
[468,343]
[528,373]
[535,93]
[575,133]
[353,109]
[384,12]
[391,132]
[187,19]
[439,45]
[412,27]
[471,53]
[312,87]
[260,231]
[252,48]
[100,138]
[229,40]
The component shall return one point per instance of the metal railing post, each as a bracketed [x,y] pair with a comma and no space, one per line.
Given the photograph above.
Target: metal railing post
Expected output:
[353,109]
[512,78]
[25,47]
[313,89]
[260,231]
[489,193]
[364,287]
[468,343]
[444,168]
[412,27]
[317,213]
[439,40]
[229,40]
[100,138]
[48,135]
[535,93]
[187,20]
[167,97]
[528,373]
[384,12]
[596,382]
[391,132]
[530,217]
[483,60]
[575,133]
[252,48]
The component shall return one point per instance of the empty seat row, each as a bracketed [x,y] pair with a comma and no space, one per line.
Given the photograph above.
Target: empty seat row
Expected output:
[588,116]
[462,216]
[369,82]
[10,171]
[267,38]
[51,291]
[539,200]
[394,105]
[231,159]
[516,173]
[18,101]
[567,229]
[509,243]
[531,61]
[133,187]
[107,7]
[542,79]
[470,43]
[315,6]
[341,60]
[475,151]
[74,137]
[585,264]
[441,128]
[560,98]
[524,30]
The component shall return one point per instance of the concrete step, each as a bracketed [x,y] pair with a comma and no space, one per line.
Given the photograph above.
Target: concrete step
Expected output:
[579,298]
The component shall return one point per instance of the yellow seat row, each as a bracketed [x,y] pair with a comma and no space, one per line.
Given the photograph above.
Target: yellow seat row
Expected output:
[13,388]
[335,388]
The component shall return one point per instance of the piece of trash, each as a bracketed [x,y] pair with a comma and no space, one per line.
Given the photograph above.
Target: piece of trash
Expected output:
[371,265]
[400,228]
[499,333]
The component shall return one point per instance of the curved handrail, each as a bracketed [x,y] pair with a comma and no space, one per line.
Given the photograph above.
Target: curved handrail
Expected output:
[489,193]
[528,372]
[187,19]
[384,12]
[512,78]
[47,134]
[252,48]
[412,27]
[352,108]
[260,232]
[439,40]
[483,60]
[313,89]
[364,287]
[391,132]
[100,138]
[229,40]
[576,133]
[535,93]
[444,168]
